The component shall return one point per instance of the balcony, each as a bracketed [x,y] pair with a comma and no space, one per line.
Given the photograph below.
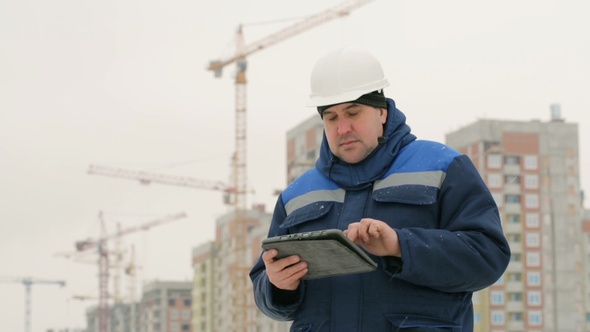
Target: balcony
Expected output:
[512,227]
[514,286]
[511,169]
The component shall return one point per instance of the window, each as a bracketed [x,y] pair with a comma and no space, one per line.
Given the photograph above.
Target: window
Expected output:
[476,297]
[494,161]
[186,327]
[532,201]
[494,180]
[534,298]
[512,179]
[174,314]
[513,199]
[532,220]
[530,162]
[515,258]
[513,218]
[497,198]
[171,302]
[186,314]
[497,317]
[531,181]
[515,316]
[534,278]
[535,318]
[532,240]
[515,297]
[533,259]
[513,277]
[187,302]
[513,237]
[497,297]
[512,160]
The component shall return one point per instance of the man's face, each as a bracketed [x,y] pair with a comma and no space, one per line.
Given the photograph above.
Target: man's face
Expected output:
[352,130]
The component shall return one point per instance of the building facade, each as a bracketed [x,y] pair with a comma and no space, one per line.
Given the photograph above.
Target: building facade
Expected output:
[586,234]
[303,146]
[123,317]
[219,267]
[532,170]
[166,306]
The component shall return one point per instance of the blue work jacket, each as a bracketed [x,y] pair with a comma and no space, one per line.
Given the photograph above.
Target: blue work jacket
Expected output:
[448,226]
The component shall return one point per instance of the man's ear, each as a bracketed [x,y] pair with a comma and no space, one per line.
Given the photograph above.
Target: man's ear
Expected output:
[383,115]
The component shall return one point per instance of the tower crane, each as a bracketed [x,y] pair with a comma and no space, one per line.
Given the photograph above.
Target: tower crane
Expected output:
[28,282]
[147,178]
[239,160]
[100,244]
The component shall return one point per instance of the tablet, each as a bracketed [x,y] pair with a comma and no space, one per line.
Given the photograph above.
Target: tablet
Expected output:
[327,252]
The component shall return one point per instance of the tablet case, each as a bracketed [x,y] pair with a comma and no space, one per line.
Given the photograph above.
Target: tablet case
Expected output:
[327,252]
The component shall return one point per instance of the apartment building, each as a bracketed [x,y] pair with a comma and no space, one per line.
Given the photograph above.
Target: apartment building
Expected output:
[218,268]
[123,317]
[586,265]
[166,306]
[203,287]
[532,170]
[303,146]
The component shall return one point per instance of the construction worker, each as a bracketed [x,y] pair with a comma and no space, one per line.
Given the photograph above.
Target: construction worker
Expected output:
[418,208]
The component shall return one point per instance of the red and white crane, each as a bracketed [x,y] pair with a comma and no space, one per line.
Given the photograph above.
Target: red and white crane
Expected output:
[100,244]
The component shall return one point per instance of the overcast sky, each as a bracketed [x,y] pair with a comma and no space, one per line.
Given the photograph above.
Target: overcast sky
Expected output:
[124,84]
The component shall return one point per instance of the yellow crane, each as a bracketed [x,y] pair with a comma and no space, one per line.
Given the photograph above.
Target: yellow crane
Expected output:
[239,160]
[28,282]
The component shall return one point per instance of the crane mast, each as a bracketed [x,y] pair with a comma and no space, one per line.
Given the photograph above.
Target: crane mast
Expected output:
[28,282]
[239,270]
[236,191]
[101,246]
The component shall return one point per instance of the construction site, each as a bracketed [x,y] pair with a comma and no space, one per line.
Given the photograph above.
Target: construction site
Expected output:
[219,296]
[143,146]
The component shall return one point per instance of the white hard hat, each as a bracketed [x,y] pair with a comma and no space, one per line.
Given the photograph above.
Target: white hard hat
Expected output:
[344,75]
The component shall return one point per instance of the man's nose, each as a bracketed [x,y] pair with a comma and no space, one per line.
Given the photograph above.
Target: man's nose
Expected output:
[344,126]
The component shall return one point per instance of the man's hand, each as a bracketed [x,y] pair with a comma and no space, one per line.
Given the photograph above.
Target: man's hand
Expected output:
[285,273]
[375,236]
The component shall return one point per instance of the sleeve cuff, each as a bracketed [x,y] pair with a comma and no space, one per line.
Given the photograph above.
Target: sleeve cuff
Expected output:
[282,297]
[392,265]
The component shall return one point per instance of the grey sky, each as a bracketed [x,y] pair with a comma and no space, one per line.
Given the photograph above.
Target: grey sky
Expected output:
[123,83]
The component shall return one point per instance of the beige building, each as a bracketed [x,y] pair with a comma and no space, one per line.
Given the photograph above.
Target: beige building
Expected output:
[532,170]
[203,287]
[586,234]
[218,268]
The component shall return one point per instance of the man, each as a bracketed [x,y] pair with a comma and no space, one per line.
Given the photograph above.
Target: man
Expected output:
[418,208]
